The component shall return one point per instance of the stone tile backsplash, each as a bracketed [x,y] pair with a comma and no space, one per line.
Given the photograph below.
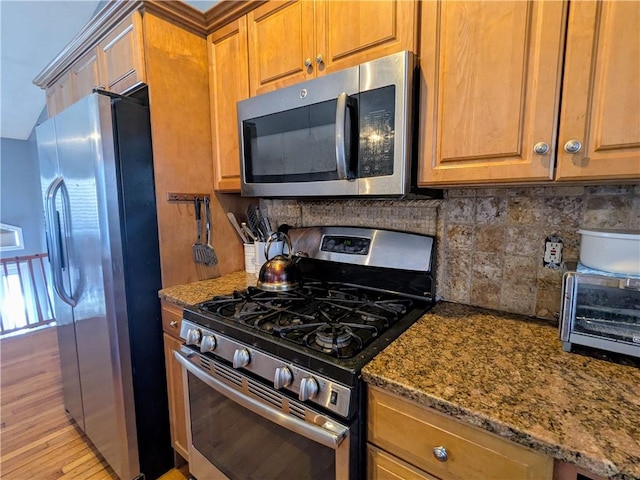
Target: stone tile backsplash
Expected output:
[490,240]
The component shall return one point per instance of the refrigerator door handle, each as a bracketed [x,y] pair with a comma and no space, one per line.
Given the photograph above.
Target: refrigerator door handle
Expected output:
[54,236]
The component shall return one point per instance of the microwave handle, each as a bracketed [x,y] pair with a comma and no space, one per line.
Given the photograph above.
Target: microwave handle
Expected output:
[341,155]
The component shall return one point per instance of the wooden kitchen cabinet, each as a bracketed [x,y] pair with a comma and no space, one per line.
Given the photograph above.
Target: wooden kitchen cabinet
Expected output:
[290,42]
[84,75]
[490,76]
[228,83]
[402,436]
[116,64]
[59,95]
[171,321]
[490,92]
[121,56]
[601,92]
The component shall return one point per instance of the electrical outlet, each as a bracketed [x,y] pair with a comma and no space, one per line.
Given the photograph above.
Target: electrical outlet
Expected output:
[552,252]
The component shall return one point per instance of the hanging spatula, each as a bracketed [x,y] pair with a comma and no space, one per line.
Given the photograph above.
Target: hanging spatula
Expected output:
[199,250]
[210,253]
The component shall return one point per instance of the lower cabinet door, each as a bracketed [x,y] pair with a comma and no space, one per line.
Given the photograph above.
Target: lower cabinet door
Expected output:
[175,389]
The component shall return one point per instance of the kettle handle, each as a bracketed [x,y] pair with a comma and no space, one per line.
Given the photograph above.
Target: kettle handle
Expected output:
[277,237]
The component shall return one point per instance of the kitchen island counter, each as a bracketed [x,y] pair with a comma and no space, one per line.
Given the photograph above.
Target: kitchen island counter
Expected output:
[508,374]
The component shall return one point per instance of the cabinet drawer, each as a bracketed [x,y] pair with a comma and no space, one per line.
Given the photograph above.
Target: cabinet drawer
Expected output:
[411,432]
[382,466]
[171,319]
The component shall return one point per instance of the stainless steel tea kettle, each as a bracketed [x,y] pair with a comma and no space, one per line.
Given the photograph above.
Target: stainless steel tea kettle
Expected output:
[280,273]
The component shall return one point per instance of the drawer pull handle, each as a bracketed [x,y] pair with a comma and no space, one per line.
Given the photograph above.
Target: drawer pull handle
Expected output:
[173,323]
[440,453]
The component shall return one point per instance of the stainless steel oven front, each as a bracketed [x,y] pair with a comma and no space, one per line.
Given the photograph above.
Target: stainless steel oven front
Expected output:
[241,428]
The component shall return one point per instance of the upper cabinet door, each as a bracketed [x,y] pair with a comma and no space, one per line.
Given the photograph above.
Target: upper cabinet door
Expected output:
[228,83]
[489,90]
[121,56]
[84,75]
[59,95]
[281,44]
[350,33]
[290,42]
[601,92]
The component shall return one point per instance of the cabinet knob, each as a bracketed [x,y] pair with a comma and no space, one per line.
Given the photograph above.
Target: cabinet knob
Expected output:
[307,62]
[572,146]
[440,453]
[541,148]
[173,323]
[319,59]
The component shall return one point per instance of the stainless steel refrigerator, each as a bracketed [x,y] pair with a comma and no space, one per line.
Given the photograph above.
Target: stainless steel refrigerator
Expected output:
[96,170]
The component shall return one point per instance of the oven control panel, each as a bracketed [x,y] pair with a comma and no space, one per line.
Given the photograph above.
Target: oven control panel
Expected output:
[344,244]
[281,374]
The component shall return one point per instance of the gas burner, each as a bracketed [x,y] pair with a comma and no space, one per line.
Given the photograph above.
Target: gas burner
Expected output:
[333,336]
[329,317]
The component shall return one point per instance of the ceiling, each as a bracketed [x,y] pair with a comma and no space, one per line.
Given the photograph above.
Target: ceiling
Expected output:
[32,33]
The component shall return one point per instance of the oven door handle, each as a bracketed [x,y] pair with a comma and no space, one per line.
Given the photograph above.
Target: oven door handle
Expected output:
[330,439]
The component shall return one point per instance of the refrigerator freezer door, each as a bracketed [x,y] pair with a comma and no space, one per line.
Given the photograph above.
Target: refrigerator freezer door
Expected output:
[65,326]
[86,159]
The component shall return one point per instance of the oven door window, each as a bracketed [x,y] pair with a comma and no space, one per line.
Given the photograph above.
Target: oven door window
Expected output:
[297,145]
[608,312]
[246,446]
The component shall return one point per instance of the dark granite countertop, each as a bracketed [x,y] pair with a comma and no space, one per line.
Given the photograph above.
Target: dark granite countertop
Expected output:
[503,373]
[196,292]
[509,375]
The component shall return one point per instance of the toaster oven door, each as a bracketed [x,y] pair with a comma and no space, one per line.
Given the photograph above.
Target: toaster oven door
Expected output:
[601,312]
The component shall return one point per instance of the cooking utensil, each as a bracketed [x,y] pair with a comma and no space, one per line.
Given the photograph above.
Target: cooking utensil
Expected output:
[199,250]
[253,221]
[248,232]
[281,273]
[209,252]
[239,231]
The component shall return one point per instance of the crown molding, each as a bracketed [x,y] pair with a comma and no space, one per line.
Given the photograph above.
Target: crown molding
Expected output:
[179,13]
[115,11]
[111,14]
[226,11]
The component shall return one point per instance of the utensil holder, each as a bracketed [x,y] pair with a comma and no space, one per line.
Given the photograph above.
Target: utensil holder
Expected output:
[250,257]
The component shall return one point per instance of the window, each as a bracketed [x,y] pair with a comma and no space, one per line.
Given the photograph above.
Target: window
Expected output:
[10,238]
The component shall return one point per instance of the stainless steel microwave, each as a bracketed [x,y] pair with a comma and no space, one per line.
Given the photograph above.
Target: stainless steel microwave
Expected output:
[601,312]
[344,134]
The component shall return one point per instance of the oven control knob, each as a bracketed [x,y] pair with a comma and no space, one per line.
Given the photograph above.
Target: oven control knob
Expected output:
[282,378]
[241,358]
[308,388]
[208,344]
[193,336]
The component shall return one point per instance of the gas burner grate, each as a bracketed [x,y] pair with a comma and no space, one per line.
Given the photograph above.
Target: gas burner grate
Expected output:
[332,318]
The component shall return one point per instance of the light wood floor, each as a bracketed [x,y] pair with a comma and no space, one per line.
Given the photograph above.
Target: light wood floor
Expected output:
[37,439]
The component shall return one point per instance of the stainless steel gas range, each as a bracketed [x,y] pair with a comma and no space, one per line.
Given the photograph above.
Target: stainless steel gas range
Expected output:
[273,379]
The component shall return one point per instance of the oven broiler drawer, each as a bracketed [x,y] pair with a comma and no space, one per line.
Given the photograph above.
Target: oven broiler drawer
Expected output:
[306,385]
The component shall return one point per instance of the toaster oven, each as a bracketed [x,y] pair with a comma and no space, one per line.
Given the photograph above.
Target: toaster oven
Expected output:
[600,311]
